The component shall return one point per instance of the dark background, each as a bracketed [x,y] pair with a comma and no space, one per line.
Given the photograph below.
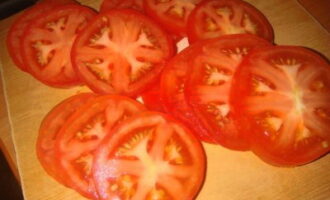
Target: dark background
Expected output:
[9,7]
[9,186]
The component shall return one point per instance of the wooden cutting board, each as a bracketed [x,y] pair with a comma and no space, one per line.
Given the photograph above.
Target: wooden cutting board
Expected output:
[231,175]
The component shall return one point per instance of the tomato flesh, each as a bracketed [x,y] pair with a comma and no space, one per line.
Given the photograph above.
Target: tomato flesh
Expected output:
[132,4]
[209,83]
[214,18]
[152,99]
[82,134]
[121,52]
[284,96]
[49,129]
[150,156]
[173,14]
[47,44]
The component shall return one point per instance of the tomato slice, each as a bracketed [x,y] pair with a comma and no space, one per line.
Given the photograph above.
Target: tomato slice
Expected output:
[122,52]
[49,129]
[111,4]
[47,44]
[82,134]
[149,156]
[208,86]
[282,93]
[172,86]
[16,31]
[171,14]
[213,18]
[152,98]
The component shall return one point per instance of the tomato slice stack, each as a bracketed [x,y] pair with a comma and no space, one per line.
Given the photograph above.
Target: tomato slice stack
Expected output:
[283,95]
[83,132]
[208,87]
[108,147]
[172,87]
[50,128]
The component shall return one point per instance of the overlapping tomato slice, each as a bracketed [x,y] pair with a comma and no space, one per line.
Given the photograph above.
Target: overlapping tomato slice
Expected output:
[172,86]
[50,128]
[111,4]
[149,156]
[47,44]
[208,87]
[172,14]
[213,18]
[122,52]
[16,32]
[82,134]
[283,95]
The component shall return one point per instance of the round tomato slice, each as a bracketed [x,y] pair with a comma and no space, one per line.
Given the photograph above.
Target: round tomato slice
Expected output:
[282,93]
[152,99]
[149,156]
[16,31]
[49,129]
[172,86]
[213,18]
[47,43]
[111,4]
[82,134]
[172,14]
[209,83]
[121,52]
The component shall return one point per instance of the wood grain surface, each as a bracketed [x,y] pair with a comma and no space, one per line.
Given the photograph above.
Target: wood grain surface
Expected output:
[320,10]
[231,175]
[6,140]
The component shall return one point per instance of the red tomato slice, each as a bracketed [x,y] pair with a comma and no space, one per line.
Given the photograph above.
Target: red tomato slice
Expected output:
[49,129]
[214,18]
[172,86]
[149,156]
[16,31]
[47,44]
[122,52]
[152,99]
[171,14]
[111,4]
[282,94]
[209,83]
[82,134]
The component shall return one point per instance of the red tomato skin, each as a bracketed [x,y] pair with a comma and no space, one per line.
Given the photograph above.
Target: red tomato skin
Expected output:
[49,129]
[32,65]
[229,135]
[261,143]
[16,31]
[136,89]
[118,137]
[65,137]
[193,25]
